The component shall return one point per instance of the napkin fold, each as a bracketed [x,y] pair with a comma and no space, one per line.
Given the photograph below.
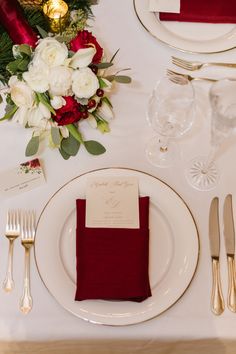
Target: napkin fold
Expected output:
[112,264]
[212,11]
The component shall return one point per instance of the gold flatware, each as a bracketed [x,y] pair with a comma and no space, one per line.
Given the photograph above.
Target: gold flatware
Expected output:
[217,301]
[182,79]
[12,232]
[27,241]
[229,235]
[196,65]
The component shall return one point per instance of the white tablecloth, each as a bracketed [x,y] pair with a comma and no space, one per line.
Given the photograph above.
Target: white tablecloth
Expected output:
[188,326]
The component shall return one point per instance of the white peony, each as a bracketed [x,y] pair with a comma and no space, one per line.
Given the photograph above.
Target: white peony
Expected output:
[82,58]
[50,52]
[21,94]
[37,78]
[60,80]
[57,102]
[84,83]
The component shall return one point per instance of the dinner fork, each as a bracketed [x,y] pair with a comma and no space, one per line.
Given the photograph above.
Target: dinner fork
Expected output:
[12,232]
[196,65]
[182,79]
[27,241]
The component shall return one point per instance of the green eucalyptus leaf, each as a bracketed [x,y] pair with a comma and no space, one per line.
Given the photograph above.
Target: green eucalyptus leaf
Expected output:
[94,147]
[123,79]
[64,154]
[70,145]
[104,65]
[1,99]
[42,32]
[75,133]
[32,146]
[110,77]
[9,113]
[56,136]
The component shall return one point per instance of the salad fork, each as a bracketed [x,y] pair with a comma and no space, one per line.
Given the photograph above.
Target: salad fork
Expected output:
[196,65]
[182,79]
[12,232]
[27,241]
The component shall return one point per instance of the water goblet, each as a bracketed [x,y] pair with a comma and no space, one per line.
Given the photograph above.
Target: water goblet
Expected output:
[170,112]
[202,172]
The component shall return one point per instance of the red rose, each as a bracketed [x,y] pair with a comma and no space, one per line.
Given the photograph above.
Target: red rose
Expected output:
[85,39]
[69,113]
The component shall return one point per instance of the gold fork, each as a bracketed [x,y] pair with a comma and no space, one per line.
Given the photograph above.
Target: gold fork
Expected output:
[196,65]
[12,232]
[182,79]
[27,241]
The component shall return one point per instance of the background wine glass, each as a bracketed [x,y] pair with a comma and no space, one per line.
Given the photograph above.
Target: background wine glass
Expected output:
[171,113]
[202,172]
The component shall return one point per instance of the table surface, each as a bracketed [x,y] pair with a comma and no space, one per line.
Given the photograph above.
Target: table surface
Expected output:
[190,319]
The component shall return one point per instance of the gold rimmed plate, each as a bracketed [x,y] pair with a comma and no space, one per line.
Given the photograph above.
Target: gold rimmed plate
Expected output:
[187,36]
[174,250]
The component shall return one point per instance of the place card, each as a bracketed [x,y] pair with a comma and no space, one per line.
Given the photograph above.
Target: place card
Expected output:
[112,202]
[164,6]
[23,178]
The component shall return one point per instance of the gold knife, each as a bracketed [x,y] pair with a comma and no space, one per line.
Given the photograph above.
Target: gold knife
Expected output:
[229,235]
[217,301]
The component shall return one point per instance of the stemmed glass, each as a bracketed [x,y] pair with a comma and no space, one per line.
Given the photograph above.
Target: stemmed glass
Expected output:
[202,172]
[171,113]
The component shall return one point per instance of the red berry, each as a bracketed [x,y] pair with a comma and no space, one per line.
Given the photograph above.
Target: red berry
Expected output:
[84,114]
[99,92]
[91,104]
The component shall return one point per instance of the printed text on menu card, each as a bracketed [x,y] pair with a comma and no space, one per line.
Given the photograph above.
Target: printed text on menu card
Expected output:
[112,202]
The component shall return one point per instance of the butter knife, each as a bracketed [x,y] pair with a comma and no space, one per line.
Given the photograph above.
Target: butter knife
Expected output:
[229,235]
[217,301]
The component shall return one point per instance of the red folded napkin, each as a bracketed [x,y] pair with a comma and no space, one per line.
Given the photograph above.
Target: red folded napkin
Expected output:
[112,264]
[214,11]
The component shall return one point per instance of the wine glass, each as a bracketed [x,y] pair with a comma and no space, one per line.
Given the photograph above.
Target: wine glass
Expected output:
[171,113]
[202,172]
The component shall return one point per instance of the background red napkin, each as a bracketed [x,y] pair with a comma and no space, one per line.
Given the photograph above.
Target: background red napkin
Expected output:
[214,11]
[112,263]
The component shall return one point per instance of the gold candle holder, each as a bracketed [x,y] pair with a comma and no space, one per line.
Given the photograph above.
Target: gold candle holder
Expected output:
[57,13]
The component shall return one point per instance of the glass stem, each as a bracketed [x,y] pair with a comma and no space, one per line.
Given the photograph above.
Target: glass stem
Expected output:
[210,158]
[164,141]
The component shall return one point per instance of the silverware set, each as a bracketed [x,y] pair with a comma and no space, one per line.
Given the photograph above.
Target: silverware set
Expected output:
[20,224]
[217,298]
[181,78]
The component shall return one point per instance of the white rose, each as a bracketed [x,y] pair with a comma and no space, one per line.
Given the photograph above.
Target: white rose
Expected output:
[84,83]
[57,102]
[60,80]
[21,94]
[37,78]
[82,58]
[50,52]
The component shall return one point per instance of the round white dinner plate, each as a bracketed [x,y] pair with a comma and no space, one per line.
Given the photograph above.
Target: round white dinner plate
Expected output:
[174,250]
[187,36]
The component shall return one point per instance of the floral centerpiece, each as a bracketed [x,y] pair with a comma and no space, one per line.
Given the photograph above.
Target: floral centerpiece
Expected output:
[57,83]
